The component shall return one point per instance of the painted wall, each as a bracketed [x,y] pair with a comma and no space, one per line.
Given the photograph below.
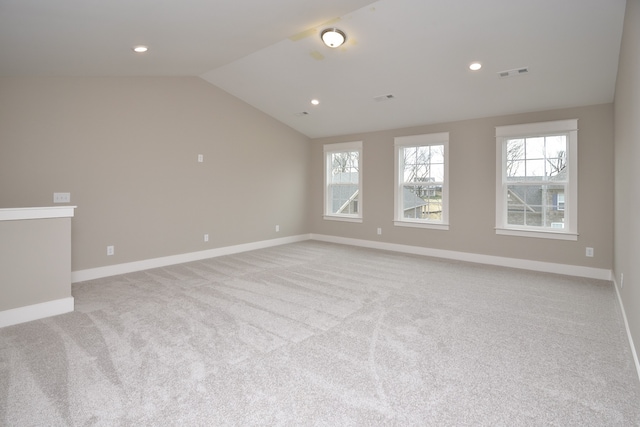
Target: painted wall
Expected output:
[44,243]
[126,149]
[472,162]
[627,178]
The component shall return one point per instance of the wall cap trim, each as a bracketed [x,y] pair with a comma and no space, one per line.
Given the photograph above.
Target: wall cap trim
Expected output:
[13,214]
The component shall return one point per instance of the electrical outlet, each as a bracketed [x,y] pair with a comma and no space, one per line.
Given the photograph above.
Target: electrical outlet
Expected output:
[110,250]
[200,158]
[379,231]
[589,252]
[206,237]
[61,197]
[277,228]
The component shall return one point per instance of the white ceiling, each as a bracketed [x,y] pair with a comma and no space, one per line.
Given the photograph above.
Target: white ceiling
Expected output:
[269,53]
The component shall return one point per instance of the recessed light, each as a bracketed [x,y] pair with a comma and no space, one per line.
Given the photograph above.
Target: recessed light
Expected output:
[315,102]
[475,66]
[140,49]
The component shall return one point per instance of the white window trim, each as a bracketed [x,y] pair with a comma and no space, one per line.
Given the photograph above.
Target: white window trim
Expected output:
[337,148]
[569,127]
[415,141]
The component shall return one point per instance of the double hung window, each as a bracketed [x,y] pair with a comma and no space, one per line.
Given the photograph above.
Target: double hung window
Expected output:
[536,180]
[343,181]
[421,183]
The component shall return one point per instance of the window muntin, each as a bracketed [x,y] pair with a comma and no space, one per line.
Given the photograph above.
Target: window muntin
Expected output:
[343,182]
[537,178]
[421,181]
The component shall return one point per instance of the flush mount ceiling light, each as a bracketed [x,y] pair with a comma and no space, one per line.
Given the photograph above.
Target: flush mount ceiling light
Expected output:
[475,66]
[333,37]
[315,102]
[140,49]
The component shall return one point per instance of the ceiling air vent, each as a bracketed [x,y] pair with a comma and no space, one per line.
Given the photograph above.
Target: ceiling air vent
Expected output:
[383,98]
[513,73]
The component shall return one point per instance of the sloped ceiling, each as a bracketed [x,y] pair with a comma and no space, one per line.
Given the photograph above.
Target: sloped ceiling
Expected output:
[270,55]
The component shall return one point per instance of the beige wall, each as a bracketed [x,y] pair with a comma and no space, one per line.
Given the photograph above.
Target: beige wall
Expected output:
[472,162]
[126,149]
[36,261]
[627,177]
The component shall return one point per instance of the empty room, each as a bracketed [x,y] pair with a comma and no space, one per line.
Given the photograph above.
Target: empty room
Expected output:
[305,212]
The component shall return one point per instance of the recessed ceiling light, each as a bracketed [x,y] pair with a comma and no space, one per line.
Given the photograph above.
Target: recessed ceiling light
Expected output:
[140,49]
[315,102]
[475,66]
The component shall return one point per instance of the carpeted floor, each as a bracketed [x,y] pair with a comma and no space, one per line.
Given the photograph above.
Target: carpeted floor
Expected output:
[313,333]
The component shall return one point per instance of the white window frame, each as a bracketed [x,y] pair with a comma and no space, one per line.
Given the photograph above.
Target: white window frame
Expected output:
[505,133]
[330,149]
[419,141]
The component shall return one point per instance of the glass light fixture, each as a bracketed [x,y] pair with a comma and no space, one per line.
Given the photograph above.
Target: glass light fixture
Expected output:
[333,37]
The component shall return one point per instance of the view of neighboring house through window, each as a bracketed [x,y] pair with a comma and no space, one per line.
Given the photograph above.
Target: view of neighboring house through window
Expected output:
[343,182]
[421,198]
[537,178]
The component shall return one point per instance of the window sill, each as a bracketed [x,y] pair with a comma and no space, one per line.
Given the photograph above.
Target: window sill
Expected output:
[416,224]
[537,234]
[342,218]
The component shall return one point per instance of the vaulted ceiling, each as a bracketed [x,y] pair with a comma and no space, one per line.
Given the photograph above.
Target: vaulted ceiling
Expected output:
[412,54]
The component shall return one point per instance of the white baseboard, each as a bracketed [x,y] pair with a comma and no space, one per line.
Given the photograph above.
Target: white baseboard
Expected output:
[35,311]
[130,267]
[626,325]
[548,267]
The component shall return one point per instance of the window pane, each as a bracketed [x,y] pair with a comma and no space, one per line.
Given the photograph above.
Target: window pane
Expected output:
[534,148]
[542,158]
[343,183]
[437,153]
[344,198]
[536,205]
[535,168]
[437,172]
[556,152]
[344,167]
[556,144]
[422,202]
[422,173]
[515,169]
[515,149]
[423,164]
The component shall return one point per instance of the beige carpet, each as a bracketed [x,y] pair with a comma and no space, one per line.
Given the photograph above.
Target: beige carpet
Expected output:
[319,334]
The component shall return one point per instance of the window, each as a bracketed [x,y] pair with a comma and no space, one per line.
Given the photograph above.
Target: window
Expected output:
[421,184]
[343,181]
[536,180]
